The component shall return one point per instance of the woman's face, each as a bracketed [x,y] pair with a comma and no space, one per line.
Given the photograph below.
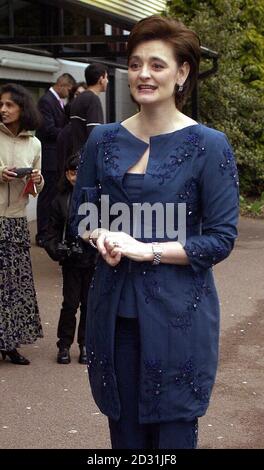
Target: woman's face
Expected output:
[79,91]
[153,72]
[10,111]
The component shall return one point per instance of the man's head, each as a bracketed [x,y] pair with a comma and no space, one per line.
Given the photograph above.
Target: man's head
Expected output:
[64,84]
[96,75]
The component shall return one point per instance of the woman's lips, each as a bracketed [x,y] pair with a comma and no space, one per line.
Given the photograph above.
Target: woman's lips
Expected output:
[146,88]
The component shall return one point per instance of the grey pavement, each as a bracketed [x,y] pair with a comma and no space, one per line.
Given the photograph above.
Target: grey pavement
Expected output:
[49,406]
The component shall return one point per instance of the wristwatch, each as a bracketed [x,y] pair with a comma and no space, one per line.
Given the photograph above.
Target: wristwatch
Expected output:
[157,251]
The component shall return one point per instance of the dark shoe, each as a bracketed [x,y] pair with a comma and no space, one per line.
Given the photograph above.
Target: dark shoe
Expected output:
[15,357]
[83,355]
[63,356]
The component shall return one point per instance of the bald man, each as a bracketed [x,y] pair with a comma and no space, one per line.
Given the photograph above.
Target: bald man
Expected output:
[51,106]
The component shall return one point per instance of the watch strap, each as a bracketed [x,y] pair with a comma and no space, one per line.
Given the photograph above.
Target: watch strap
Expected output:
[157,251]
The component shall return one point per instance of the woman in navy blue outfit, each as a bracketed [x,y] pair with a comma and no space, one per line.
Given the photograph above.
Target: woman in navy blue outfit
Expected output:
[153,314]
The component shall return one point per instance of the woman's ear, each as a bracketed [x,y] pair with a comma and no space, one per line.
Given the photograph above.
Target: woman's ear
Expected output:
[183,73]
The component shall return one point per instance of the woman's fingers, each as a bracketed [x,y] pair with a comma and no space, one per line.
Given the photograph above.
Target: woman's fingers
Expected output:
[36,176]
[108,250]
[8,174]
[113,260]
[101,244]
[116,250]
[113,245]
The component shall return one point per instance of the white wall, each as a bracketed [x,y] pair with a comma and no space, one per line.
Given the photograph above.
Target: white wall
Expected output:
[27,67]
[124,105]
[32,208]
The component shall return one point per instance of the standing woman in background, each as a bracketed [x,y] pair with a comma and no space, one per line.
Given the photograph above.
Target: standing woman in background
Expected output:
[19,314]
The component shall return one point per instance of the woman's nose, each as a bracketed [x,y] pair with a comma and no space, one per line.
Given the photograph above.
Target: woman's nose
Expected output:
[144,71]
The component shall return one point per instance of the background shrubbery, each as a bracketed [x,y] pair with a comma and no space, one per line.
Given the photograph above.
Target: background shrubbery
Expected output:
[232,100]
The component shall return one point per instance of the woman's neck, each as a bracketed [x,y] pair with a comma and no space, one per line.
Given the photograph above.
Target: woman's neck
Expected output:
[157,120]
[13,127]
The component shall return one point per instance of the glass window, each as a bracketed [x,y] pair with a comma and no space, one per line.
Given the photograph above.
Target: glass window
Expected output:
[75,24]
[4,18]
[27,18]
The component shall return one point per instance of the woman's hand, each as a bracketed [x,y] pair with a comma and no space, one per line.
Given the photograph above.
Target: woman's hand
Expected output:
[114,245]
[98,237]
[119,244]
[36,176]
[124,244]
[9,174]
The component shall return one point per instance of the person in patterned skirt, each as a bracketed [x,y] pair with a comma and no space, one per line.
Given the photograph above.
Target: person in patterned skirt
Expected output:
[19,150]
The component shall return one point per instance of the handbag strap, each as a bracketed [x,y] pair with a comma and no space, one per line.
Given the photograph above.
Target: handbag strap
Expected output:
[67,217]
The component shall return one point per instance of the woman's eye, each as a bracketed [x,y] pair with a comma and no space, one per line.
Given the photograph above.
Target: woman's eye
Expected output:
[134,66]
[157,66]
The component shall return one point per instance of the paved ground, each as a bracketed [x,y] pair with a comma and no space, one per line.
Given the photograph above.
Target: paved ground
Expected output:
[47,405]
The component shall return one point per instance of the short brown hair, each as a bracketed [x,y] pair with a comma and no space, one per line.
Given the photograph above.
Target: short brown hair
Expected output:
[185,43]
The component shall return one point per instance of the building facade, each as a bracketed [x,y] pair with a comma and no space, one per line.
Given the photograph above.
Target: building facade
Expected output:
[27,58]
[34,53]
[41,39]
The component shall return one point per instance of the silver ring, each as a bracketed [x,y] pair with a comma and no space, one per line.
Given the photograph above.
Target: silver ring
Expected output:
[115,243]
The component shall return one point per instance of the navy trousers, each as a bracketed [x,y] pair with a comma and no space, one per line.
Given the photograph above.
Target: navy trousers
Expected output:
[127,433]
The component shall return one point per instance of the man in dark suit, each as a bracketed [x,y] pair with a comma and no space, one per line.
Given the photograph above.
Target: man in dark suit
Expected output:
[51,106]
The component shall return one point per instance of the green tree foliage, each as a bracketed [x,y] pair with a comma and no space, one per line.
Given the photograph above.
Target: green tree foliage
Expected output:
[252,53]
[232,100]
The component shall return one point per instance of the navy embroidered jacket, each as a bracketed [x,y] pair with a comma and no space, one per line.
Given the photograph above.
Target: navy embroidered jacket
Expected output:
[178,308]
